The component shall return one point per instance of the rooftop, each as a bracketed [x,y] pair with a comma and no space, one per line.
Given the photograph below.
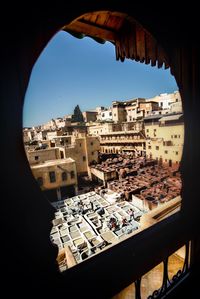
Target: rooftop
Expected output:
[171,117]
[53,162]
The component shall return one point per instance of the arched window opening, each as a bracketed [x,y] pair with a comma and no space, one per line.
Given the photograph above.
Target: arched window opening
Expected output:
[105,196]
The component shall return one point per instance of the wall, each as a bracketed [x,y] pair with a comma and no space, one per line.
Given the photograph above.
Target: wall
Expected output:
[89,116]
[158,135]
[118,114]
[39,156]
[103,128]
[58,166]
[84,151]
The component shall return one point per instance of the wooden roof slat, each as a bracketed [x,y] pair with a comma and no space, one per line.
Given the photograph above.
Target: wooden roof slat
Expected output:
[150,49]
[101,19]
[91,30]
[92,17]
[140,43]
[114,22]
[131,40]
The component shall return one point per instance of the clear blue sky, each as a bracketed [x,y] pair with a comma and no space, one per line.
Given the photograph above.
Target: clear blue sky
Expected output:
[73,71]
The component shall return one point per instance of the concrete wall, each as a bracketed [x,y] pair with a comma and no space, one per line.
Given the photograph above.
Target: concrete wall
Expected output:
[57,166]
[165,142]
[164,100]
[89,116]
[119,114]
[104,128]
[38,156]
[84,151]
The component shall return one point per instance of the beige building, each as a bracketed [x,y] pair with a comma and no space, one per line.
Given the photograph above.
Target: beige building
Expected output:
[89,116]
[54,124]
[165,100]
[123,141]
[40,156]
[61,141]
[165,138]
[133,126]
[57,178]
[28,135]
[84,151]
[132,109]
[103,128]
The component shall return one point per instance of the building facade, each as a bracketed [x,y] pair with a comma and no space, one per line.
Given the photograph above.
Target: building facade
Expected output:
[123,141]
[56,178]
[165,138]
[103,128]
[84,151]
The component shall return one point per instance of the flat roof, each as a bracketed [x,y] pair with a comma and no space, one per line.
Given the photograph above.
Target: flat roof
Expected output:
[53,163]
[155,116]
[171,117]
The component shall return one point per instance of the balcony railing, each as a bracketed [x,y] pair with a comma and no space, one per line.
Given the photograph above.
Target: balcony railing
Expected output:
[140,288]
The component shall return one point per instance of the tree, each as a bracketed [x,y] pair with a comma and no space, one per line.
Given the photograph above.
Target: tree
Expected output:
[77,116]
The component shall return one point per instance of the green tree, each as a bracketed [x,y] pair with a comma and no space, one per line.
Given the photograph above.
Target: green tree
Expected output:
[77,116]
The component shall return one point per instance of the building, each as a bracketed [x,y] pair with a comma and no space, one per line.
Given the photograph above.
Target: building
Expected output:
[103,128]
[105,114]
[123,141]
[56,178]
[84,150]
[42,155]
[28,135]
[165,138]
[63,140]
[165,100]
[131,110]
[89,116]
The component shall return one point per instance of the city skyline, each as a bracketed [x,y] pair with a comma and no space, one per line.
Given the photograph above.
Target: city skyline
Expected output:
[71,72]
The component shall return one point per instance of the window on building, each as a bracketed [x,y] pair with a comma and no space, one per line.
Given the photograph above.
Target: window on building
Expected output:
[92,153]
[80,144]
[52,176]
[147,130]
[176,153]
[40,181]
[149,147]
[91,143]
[175,136]
[166,152]
[114,114]
[36,158]
[84,158]
[72,174]
[157,147]
[110,113]
[64,176]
